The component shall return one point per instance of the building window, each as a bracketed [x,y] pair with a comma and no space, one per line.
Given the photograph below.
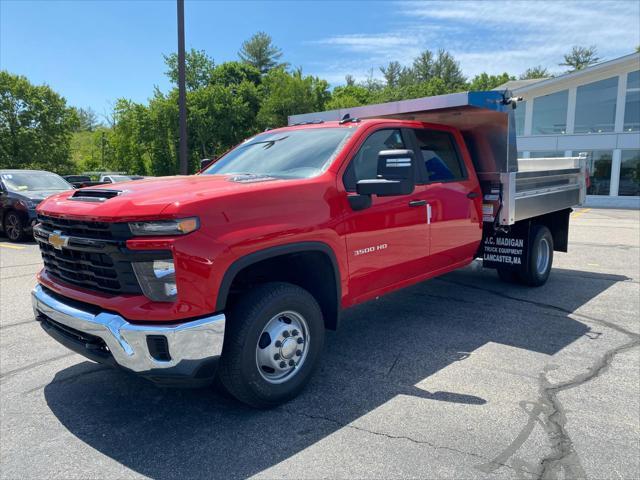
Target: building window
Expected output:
[629,173]
[599,164]
[596,106]
[546,154]
[632,103]
[550,114]
[519,116]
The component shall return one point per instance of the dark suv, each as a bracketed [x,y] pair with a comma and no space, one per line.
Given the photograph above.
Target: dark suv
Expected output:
[20,193]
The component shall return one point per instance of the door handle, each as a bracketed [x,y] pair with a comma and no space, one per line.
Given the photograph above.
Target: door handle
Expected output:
[473,195]
[417,203]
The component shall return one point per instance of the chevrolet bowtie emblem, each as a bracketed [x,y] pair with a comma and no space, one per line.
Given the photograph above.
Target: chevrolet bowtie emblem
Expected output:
[57,240]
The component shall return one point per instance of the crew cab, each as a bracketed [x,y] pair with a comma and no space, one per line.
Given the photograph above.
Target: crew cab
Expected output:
[239,270]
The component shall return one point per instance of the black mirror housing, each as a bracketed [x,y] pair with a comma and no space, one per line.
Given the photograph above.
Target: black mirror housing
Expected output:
[396,175]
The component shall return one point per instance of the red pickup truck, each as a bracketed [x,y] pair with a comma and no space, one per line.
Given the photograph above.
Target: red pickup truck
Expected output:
[238,271]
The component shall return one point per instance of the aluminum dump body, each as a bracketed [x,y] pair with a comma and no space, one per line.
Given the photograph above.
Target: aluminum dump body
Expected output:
[513,189]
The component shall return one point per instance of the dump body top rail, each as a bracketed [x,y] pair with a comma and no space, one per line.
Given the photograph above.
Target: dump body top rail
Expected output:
[485,120]
[514,189]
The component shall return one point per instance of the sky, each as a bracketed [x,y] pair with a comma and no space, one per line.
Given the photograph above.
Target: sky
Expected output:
[93,52]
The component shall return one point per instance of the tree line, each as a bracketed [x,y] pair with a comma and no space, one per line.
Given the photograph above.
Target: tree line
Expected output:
[226,103]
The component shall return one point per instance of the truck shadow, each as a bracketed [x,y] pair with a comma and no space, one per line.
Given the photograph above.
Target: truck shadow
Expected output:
[383,349]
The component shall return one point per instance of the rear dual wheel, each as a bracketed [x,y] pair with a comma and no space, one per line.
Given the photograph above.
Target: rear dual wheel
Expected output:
[540,260]
[273,342]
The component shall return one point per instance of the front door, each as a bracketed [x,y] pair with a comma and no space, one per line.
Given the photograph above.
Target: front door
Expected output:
[388,242]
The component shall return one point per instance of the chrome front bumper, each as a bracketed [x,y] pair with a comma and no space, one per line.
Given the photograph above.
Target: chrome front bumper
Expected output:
[192,345]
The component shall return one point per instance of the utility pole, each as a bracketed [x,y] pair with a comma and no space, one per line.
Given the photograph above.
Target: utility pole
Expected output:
[182,93]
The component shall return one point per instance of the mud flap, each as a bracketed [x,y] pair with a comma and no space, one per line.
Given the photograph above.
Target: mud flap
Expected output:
[506,250]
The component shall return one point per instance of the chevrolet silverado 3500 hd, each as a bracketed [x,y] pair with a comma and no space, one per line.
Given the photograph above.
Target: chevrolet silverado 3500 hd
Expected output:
[238,271]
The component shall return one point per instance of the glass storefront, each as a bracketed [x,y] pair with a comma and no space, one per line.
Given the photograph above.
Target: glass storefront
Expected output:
[596,106]
[632,103]
[629,173]
[599,164]
[550,114]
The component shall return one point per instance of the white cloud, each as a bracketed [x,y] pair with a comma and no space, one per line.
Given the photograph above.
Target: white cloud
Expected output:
[492,36]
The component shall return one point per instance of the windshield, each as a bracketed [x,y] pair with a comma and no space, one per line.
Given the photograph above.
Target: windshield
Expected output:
[119,178]
[291,154]
[33,181]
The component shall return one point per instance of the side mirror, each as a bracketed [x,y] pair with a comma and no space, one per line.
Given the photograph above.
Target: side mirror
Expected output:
[205,162]
[396,175]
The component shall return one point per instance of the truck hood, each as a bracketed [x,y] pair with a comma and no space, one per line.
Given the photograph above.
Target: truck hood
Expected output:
[151,198]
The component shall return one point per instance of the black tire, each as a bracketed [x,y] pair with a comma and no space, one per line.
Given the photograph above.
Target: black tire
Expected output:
[508,275]
[13,227]
[238,370]
[539,269]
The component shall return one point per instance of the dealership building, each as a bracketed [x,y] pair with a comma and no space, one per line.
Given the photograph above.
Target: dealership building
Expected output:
[594,110]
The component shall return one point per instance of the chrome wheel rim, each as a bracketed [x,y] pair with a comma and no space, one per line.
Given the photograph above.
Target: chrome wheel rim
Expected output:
[282,347]
[12,227]
[544,250]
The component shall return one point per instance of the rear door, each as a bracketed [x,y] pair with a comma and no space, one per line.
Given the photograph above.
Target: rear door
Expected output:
[453,193]
[387,242]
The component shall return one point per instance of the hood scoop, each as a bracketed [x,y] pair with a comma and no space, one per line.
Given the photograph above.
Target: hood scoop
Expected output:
[250,178]
[97,195]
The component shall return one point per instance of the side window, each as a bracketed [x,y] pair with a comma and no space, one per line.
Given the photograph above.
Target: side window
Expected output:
[364,164]
[440,156]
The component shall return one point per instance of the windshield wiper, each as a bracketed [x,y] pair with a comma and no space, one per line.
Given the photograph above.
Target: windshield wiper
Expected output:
[269,143]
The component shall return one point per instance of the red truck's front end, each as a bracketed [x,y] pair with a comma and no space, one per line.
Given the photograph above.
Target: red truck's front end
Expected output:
[126,274]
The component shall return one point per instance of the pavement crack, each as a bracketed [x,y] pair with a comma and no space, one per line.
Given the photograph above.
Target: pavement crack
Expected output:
[549,413]
[17,324]
[388,435]
[11,373]
[563,456]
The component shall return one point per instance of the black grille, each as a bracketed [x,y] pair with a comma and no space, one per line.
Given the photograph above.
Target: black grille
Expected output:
[95,255]
[91,270]
[79,228]
[94,258]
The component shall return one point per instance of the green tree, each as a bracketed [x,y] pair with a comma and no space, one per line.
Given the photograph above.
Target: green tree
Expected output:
[423,66]
[129,138]
[580,57]
[198,68]
[87,119]
[391,73]
[535,72]
[287,93]
[484,81]
[233,73]
[260,52]
[35,126]
[446,68]
[221,116]
[348,96]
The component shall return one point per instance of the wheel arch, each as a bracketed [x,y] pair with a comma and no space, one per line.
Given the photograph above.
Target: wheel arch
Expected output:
[310,265]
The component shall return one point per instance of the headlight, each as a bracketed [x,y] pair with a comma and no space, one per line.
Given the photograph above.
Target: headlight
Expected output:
[180,226]
[157,279]
[28,203]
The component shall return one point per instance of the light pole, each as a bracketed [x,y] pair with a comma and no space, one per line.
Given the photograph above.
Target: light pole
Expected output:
[182,93]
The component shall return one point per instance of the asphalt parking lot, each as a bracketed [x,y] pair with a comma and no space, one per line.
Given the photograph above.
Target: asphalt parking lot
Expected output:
[459,377]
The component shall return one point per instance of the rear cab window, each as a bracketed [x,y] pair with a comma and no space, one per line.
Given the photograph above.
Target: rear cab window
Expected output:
[440,156]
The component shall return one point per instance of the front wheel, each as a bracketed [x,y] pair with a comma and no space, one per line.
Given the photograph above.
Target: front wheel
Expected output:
[273,342]
[13,227]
